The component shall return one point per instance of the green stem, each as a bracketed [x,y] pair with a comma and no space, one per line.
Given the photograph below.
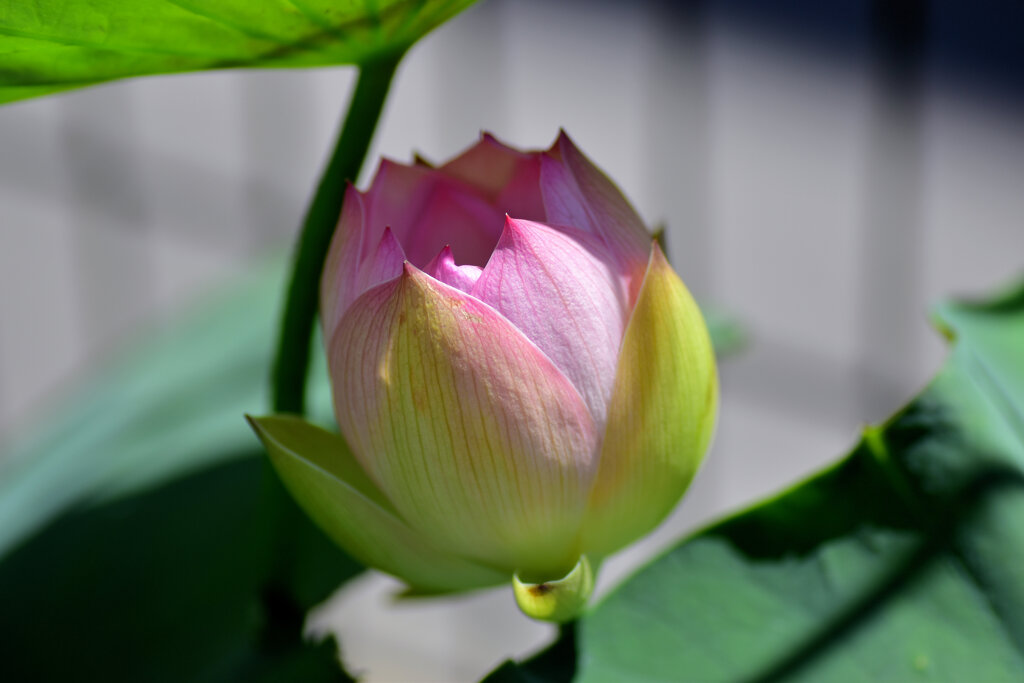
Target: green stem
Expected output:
[291,364]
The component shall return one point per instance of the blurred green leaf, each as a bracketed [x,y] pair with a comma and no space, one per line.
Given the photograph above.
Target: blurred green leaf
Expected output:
[167,585]
[142,535]
[728,334]
[170,404]
[61,44]
[905,561]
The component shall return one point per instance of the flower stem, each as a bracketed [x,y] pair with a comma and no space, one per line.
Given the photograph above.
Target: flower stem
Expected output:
[291,363]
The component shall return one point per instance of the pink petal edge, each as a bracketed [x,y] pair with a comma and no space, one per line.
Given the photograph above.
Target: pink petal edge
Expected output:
[556,285]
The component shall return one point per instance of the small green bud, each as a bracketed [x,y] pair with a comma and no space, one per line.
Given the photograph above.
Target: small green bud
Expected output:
[560,600]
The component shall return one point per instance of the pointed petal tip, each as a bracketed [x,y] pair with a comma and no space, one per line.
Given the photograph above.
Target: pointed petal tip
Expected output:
[256,423]
[444,269]
[517,224]
[562,143]
[442,256]
[413,276]
[389,244]
[386,168]
[657,255]
[382,168]
[352,194]
[515,230]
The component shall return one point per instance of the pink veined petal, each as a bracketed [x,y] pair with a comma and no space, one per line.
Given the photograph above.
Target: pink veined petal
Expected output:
[577,193]
[341,268]
[559,288]
[521,196]
[396,199]
[384,264]
[426,210]
[507,177]
[452,215]
[474,435]
[443,268]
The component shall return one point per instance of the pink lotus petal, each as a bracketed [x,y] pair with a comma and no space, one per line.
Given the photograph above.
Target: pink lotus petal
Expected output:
[443,268]
[507,177]
[341,268]
[451,215]
[480,442]
[396,199]
[385,263]
[556,286]
[522,196]
[577,193]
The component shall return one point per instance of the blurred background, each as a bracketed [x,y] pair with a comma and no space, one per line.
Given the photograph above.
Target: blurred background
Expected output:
[825,172]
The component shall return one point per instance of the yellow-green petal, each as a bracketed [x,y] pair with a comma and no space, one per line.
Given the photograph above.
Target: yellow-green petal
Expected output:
[318,469]
[661,417]
[474,435]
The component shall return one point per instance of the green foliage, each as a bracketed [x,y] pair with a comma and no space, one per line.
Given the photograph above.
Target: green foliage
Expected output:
[905,561]
[177,584]
[171,404]
[291,363]
[142,535]
[51,46]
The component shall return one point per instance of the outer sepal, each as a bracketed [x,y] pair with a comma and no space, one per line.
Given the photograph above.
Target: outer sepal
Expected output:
[661,417]
[318,469]
[560,600]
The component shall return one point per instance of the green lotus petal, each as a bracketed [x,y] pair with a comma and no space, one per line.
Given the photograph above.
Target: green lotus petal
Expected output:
[318,469]
[661,416]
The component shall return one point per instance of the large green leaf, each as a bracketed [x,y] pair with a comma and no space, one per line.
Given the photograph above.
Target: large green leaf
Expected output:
[905,561]
[47,47]
[169,405]
[142,534]
[174,584]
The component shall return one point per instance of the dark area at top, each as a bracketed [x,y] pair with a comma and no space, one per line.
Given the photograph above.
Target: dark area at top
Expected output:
[975,46]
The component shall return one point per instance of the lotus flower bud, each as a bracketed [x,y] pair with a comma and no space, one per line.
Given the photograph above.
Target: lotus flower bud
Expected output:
[522,383]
